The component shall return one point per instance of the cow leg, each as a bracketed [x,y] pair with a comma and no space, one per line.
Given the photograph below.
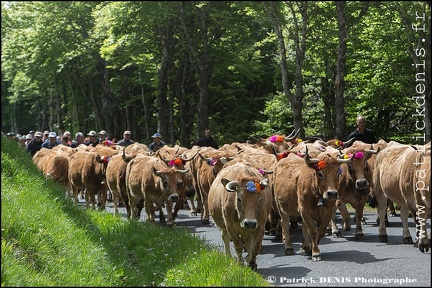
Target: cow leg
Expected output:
[134,215]
[169,207]
[150,211]
[192,205]
[382,213]
[359,228]
[285,223]
[226,238]
[311,231]
[332,224]
[115,200]
[306,246]
[346,217]
[406,236]
[75,192]
[253,248]
[205,215]
[102,195]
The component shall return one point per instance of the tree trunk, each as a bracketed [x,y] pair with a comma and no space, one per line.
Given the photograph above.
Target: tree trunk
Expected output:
[340,71]
[202,64]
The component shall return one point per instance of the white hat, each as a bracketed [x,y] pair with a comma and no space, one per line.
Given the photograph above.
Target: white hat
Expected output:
[92,133]
[127,132]
[52,134]
[38,134]
[29,136]
[102,132]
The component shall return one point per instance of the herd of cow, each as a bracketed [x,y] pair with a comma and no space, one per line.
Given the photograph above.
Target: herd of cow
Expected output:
[252,189]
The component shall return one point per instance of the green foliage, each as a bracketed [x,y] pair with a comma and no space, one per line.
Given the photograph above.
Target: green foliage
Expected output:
[92,65]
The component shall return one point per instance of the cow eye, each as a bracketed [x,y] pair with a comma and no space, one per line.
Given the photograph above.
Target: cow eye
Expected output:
[239,200]
[320,174]
[165,183]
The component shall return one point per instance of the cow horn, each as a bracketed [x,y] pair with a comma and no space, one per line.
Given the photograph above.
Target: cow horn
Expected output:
[291,134]
[126,158]
[371,150]
[310,160]
[231,186]
[155,171]
[265,172]
[264,183]
[292,137]
[189,159]
[183,170]
[341,161]
[162,158]
[349,142]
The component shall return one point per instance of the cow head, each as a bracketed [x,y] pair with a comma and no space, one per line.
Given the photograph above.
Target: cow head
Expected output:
[327,171]
[358,167]
[249,199]
[169,179]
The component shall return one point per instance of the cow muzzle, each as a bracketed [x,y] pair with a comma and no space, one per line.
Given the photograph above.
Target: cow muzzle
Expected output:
[173,197]
[362,187]
[331,195]
[249,224]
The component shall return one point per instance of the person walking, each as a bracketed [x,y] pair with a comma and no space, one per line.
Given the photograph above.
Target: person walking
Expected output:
[207,140]
[79,139]
[51,141]
[362,133]
[157,142]
[35,144]
[93,140]
[126,141]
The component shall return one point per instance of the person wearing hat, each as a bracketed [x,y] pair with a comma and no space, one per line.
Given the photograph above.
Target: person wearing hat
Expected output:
[51,141]
[28,138]
[35,144]
[102,136]
[126,141]
[157,143]
[93,140]
[45,135]
[32,132]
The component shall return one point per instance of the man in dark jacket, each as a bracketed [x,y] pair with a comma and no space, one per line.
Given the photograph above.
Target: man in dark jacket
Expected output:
[208,140]
[362,133]
[35,144]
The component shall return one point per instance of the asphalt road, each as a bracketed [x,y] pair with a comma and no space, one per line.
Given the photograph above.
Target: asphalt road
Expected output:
[345,261]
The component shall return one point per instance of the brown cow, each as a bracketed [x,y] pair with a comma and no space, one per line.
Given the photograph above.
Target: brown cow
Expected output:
[87,171]
[150,179]
[354,186]
[204,168]
[393,178]
[186,190]
[299,184]
[239,202]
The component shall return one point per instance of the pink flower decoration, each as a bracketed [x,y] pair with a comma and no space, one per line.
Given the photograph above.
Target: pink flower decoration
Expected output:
[359,155]
[171,163]
[261,171]
[273,138]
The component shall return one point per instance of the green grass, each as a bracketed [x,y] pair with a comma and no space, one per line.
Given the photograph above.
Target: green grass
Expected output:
[47,241]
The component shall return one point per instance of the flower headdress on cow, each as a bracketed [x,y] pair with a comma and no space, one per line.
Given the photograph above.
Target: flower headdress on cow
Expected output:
[177,162]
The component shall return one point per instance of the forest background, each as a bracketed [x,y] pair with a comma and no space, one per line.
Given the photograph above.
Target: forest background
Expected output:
[244,69]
